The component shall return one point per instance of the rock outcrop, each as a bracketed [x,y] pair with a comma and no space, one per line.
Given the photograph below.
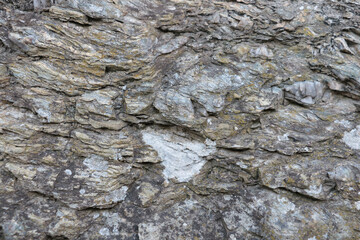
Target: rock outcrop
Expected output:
[179,119]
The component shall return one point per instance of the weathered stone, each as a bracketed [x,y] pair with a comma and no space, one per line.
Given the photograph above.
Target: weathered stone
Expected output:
[179,119]
[68,15]
[306,93]
[147,193]
[181,158]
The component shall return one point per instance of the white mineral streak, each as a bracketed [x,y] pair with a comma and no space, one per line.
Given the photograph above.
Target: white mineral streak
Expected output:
[182,158]
[104,232]
[117,195]
[352,138]
[357,205]
[97,166]
[68,172]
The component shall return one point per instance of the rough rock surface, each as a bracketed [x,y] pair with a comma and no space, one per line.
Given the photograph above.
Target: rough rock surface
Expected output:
[179,119]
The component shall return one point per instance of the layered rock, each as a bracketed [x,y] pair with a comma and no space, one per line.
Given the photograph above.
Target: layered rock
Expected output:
[179,119]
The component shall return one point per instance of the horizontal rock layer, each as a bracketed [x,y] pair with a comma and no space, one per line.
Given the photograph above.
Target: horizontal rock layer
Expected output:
[179,119]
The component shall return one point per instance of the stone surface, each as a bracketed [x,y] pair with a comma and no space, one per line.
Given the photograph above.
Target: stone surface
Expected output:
[179,119]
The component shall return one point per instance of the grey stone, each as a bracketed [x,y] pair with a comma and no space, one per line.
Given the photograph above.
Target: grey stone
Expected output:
[179,119]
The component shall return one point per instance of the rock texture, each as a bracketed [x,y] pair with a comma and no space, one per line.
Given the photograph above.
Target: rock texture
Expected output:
[179,119]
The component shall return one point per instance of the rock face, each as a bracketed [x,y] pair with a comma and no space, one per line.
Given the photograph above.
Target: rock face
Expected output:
[179,119]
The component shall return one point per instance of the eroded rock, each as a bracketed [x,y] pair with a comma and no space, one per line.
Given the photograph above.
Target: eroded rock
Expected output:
[179,119]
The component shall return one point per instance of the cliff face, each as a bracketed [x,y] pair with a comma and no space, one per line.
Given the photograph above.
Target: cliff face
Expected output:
[179,119]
